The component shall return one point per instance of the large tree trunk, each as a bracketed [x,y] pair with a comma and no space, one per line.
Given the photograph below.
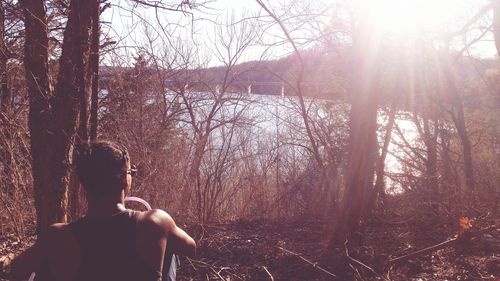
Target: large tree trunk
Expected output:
[362,140]
[53,117]
[360,170]
[48,201]
[87,127]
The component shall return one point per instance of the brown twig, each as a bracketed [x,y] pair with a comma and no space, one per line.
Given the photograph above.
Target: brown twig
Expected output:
[356,261]
[218,274]
[268,273]
[424,251]
[190,262]
[200,262]
[356,271]
[405,221]
[212,268]
[314,264]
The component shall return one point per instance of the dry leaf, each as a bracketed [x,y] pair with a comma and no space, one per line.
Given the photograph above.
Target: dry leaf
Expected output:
[464,224]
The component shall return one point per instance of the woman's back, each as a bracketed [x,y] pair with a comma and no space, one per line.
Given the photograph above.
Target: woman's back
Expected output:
[109,249]
[111,243]
[126,246]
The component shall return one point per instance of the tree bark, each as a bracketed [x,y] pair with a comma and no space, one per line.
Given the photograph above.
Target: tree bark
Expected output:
[94,68]
[362,140]
[379,188]
[459,120]
[430,140]
[86,128]
[458,117]
[48,201]
[53,118]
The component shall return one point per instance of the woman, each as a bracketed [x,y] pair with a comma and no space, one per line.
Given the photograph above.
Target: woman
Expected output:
[110,242]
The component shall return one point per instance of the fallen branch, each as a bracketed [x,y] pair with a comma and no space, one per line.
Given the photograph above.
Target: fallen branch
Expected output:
[464,237]
[218,274]
[212,268]
[358,262]
[199,262]
[314,264]
[207,265]
[190,262]
[268,273]
[405,221]
[424,251]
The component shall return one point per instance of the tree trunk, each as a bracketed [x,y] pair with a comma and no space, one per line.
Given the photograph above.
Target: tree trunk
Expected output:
[87,128]
[194,174]
[362,140]
[94,68]
[430,140]
[459,120]
[458,117]
[449,182]
[4,90]
[53,117]
[379,188]
[48,199]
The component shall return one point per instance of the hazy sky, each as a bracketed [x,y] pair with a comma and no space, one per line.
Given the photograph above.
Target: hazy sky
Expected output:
[396,19]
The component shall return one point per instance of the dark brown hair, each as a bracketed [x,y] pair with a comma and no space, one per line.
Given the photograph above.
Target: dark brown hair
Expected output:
[100,166]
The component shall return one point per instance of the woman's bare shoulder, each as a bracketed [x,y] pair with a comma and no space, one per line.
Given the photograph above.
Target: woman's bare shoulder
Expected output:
[62,251]
[157,221]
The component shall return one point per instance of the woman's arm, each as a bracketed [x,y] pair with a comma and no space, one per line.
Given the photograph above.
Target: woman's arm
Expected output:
[6,266]
[36,259]
[20,267]
[180,242]
[29,261]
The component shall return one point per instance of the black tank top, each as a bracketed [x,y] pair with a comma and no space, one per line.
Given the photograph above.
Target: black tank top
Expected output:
[109,250]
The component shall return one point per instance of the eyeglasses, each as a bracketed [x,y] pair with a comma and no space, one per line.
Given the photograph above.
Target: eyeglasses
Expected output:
[132,171]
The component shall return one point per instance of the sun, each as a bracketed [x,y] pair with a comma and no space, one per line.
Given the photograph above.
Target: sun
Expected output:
[402,18]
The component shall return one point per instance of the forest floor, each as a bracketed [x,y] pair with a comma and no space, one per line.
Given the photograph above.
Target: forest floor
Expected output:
[297,250]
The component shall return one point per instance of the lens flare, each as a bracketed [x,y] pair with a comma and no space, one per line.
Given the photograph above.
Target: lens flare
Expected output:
[403,18]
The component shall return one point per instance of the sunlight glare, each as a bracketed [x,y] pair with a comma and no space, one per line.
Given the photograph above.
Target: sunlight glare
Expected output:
[402,18]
